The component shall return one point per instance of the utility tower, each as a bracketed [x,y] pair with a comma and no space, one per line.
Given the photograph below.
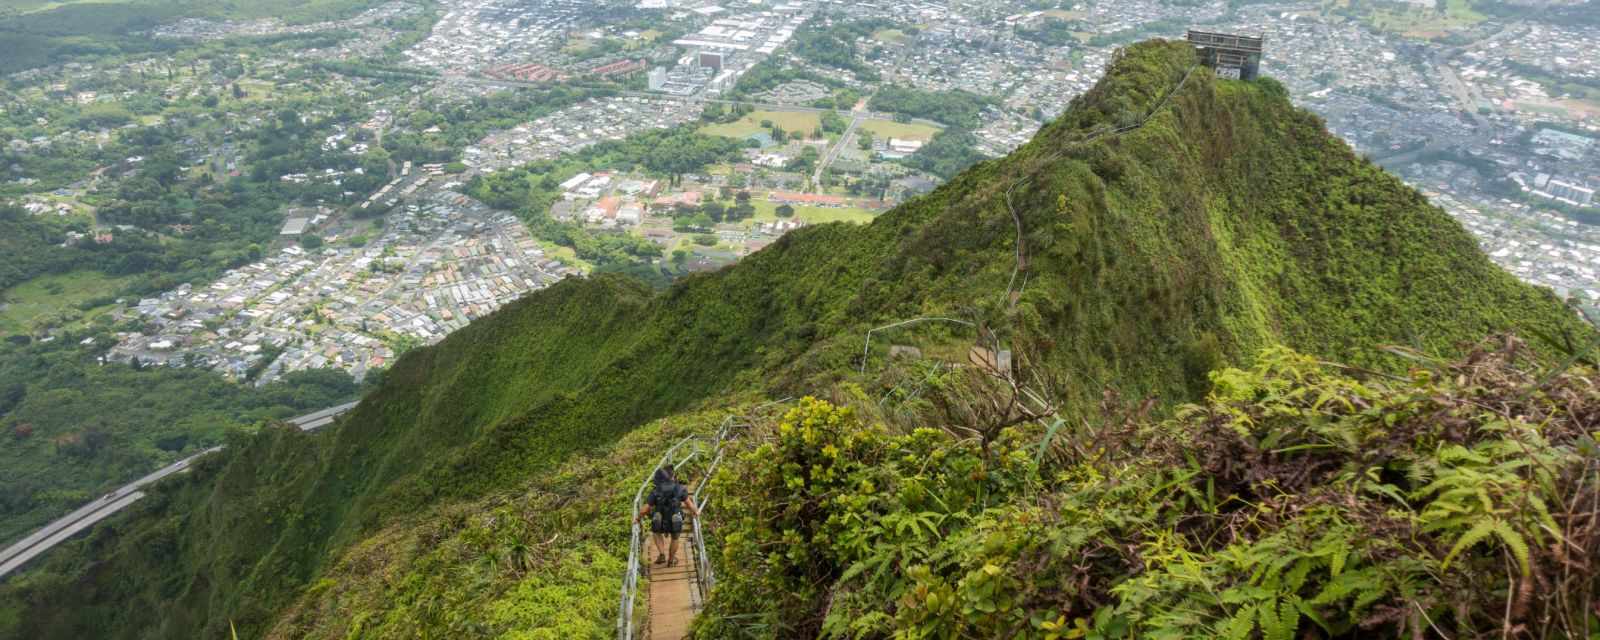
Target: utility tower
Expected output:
[1233,56]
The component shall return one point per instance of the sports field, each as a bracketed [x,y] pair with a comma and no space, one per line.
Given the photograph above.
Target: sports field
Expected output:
[803,122]
[904,130]
[766,211]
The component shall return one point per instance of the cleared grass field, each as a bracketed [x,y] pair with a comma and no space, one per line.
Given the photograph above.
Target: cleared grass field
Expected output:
[1416,21]
[792,121]
[577,45]
[567,256]
[903,130]
[894,36]
[1063,14]
[53,297]
[766,211]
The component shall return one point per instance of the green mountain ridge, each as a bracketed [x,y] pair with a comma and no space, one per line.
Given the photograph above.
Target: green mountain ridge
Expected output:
[1229,223]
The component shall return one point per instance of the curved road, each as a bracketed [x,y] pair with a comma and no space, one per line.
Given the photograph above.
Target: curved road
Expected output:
[26,549]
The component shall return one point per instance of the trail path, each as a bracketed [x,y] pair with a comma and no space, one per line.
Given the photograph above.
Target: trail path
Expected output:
[673,596]
[676,593]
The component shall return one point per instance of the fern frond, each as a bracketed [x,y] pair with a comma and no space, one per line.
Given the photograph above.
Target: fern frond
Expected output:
[1340,588]
[1310,613]
[1336,560]
[1278,620]
[1519,546]
[1239,627]
[1296,577]
[1479,531]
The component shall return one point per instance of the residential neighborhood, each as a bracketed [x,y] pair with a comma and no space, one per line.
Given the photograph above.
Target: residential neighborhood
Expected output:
[439,264]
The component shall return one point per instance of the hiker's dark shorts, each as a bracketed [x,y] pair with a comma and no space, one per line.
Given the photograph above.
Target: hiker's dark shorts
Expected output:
[673,526]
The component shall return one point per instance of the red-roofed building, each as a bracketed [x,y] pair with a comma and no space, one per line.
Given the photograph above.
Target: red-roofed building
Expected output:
[609,205]
[529,72]
[691,198]
[620,67]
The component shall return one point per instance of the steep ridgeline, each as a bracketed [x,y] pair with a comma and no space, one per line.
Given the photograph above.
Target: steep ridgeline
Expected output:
[1229,222]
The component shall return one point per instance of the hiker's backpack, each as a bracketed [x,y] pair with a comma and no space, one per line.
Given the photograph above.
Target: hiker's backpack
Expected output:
[665,502]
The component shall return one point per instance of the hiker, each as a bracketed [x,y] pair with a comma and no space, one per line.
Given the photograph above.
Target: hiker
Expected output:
[665,509]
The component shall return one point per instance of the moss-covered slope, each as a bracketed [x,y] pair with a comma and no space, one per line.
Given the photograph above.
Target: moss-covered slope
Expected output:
[1229,221]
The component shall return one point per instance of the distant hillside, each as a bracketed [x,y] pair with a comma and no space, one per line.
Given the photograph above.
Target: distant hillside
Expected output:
[35,33]
[1229,223]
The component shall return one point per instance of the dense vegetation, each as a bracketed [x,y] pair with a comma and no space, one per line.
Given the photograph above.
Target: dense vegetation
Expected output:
[1121,272]
[1557,83]
[74,31]
[82,30]
[31,247]
[950,152]
[668,153]
[831,42]
[34,247]
[187,226]
[771,72]
[958,108]
[71,429]
[1053,32]
[547,554]
[462,123]
[1301,500]
[1564,13]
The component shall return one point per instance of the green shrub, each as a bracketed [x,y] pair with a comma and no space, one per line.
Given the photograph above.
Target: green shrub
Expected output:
[1299,500]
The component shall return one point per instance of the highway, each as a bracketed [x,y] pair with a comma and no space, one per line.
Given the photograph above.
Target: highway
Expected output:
[833,152]
[38,542]
[314,420]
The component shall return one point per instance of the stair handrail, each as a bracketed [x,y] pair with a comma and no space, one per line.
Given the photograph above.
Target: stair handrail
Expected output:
[704,577]
[630,579]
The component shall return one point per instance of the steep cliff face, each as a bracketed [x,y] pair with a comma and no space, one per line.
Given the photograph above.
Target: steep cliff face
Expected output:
[1216,221]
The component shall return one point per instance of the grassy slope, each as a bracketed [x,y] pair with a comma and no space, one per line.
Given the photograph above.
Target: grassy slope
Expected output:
[52,296]
[1230,222]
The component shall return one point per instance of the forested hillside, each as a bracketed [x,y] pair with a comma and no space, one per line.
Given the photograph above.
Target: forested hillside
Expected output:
[1116,269]
[29,247]
[72,428]
[37,32]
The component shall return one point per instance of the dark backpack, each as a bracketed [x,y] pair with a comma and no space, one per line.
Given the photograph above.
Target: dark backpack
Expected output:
[666,500]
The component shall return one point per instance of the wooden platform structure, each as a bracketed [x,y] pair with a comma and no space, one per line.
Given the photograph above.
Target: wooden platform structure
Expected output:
[674,598]
[1233,56]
